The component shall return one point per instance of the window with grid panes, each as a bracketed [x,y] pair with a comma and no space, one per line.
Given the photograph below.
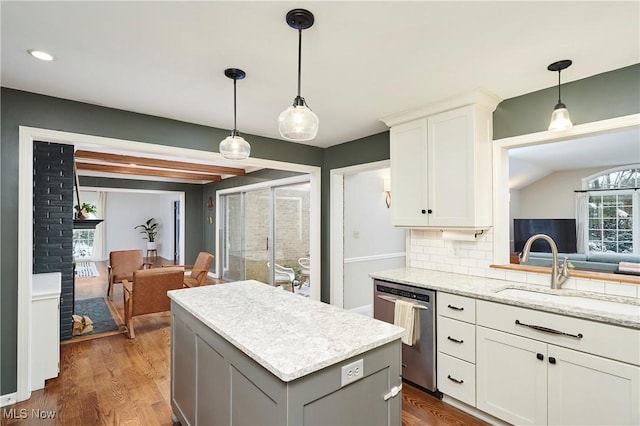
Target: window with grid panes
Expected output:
[614,224]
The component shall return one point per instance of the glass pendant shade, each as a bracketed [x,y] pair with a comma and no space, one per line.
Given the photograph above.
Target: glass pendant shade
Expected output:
[298,123]
[560,118]
[234,147]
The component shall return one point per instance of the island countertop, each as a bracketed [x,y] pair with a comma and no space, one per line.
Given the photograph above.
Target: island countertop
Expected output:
[289,335]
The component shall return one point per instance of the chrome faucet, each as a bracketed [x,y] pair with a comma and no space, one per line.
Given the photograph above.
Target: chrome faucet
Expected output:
[558,275]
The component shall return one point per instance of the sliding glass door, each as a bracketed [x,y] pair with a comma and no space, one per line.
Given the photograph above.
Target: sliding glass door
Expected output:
[265,236]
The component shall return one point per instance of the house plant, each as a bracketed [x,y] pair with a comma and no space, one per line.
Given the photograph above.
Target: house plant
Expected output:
[86,211]
[149,229]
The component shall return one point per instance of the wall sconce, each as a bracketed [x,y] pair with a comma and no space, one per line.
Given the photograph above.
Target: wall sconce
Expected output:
[387,191]
[210,207]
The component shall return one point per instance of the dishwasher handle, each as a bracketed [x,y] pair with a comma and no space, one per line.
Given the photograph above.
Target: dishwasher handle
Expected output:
[392,300]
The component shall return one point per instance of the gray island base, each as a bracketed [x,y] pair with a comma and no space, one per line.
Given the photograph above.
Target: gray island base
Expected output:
[245,353]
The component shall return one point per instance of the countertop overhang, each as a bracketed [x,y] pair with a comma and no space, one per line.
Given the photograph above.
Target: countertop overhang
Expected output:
[488,288]
[289,335]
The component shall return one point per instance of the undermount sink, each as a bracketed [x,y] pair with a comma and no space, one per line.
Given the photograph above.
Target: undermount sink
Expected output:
[571,301]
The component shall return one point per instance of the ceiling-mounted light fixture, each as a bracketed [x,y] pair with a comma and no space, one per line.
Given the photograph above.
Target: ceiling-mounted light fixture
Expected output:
[560,117]
[40,54]
[298,123]
[234,147]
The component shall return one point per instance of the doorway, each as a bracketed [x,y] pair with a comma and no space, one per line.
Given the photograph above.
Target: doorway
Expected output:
[265,234]
[363,240]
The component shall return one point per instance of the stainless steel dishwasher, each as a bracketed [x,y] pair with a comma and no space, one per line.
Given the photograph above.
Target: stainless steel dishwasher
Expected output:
[418,360]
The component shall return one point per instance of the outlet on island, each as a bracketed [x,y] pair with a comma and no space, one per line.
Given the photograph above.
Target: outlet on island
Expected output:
[352,372]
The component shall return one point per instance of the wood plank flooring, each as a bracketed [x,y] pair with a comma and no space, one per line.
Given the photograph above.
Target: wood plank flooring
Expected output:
[115,380]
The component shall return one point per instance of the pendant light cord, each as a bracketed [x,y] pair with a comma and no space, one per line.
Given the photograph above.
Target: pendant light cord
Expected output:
[559,101]
[234,132]
[299,58]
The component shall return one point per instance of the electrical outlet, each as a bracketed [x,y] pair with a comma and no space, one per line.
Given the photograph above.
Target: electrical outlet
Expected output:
[352,372]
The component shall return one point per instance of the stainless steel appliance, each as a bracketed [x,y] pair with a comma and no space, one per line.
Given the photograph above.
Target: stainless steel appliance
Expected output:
[418,360]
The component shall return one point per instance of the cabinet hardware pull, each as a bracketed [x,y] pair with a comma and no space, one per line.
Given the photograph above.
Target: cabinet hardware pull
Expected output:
[455,340]
[404,365]
[429,211]
[455,380]
[552,360]
[393,392]
[540,357]
[549,330]
[392,300]
[423,211]
[455,308]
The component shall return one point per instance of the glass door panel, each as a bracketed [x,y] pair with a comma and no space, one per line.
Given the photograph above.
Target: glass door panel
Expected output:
[265,236]
[291,233]
[257,230]
[233,264]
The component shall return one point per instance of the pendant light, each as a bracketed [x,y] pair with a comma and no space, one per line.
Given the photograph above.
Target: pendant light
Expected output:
[560,117]
[234,147]
[298,123]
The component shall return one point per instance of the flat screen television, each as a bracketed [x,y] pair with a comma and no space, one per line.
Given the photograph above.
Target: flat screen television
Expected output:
[563,232]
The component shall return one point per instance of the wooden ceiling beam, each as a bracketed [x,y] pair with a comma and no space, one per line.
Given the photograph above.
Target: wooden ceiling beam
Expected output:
[141,171]
[154,162]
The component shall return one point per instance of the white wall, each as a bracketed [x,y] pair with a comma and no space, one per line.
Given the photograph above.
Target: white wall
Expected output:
[125,210]
[371,243]
[553,197]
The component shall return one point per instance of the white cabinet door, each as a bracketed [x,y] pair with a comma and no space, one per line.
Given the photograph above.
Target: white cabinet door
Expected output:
[441,170]
[511,377]
[450,165]
[589,390]
[408,145]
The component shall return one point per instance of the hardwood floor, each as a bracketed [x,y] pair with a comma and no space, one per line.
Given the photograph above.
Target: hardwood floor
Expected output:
[115,380]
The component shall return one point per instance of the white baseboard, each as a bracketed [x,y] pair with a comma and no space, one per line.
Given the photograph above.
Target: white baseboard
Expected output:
[473,411]
[366,310]
[8,399]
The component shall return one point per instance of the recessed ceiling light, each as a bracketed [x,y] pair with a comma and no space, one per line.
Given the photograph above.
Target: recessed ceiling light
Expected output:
[42,55]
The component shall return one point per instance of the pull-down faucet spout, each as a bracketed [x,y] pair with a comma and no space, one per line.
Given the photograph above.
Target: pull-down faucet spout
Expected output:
[558,275]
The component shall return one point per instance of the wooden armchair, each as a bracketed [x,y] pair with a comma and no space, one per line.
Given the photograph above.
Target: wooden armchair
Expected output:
[122,264]
[147,293]
[196,274]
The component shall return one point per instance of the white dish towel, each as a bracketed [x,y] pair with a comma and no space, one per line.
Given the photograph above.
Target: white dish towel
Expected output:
[404,315]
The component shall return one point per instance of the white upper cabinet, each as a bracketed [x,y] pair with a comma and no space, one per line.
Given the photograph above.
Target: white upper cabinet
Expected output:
[441,164]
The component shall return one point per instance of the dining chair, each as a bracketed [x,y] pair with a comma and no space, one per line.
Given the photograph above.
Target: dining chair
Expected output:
[146,293]
[122,264]
[196,274]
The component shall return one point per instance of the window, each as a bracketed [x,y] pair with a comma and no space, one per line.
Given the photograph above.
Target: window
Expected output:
[83,243]
[614,210]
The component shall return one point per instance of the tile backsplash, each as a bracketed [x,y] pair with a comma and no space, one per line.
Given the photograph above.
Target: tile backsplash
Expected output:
[428,250]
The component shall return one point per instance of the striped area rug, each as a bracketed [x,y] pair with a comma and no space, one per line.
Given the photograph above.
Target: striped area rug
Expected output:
[86,270]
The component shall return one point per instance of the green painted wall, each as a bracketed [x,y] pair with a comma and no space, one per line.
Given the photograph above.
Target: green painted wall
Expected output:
[602,96]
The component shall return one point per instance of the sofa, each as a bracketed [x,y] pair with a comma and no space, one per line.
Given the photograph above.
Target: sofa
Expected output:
[601,262]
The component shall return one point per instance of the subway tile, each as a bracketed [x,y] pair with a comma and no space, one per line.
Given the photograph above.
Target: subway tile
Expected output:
[538,279]
[496,273]
[516,276]
[620,289]
[594,286]
[459,269]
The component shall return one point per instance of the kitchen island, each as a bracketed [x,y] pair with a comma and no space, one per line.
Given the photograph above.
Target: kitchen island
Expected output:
[248,353]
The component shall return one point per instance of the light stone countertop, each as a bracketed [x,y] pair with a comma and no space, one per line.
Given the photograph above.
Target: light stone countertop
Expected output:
[627,315]
[289,335]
